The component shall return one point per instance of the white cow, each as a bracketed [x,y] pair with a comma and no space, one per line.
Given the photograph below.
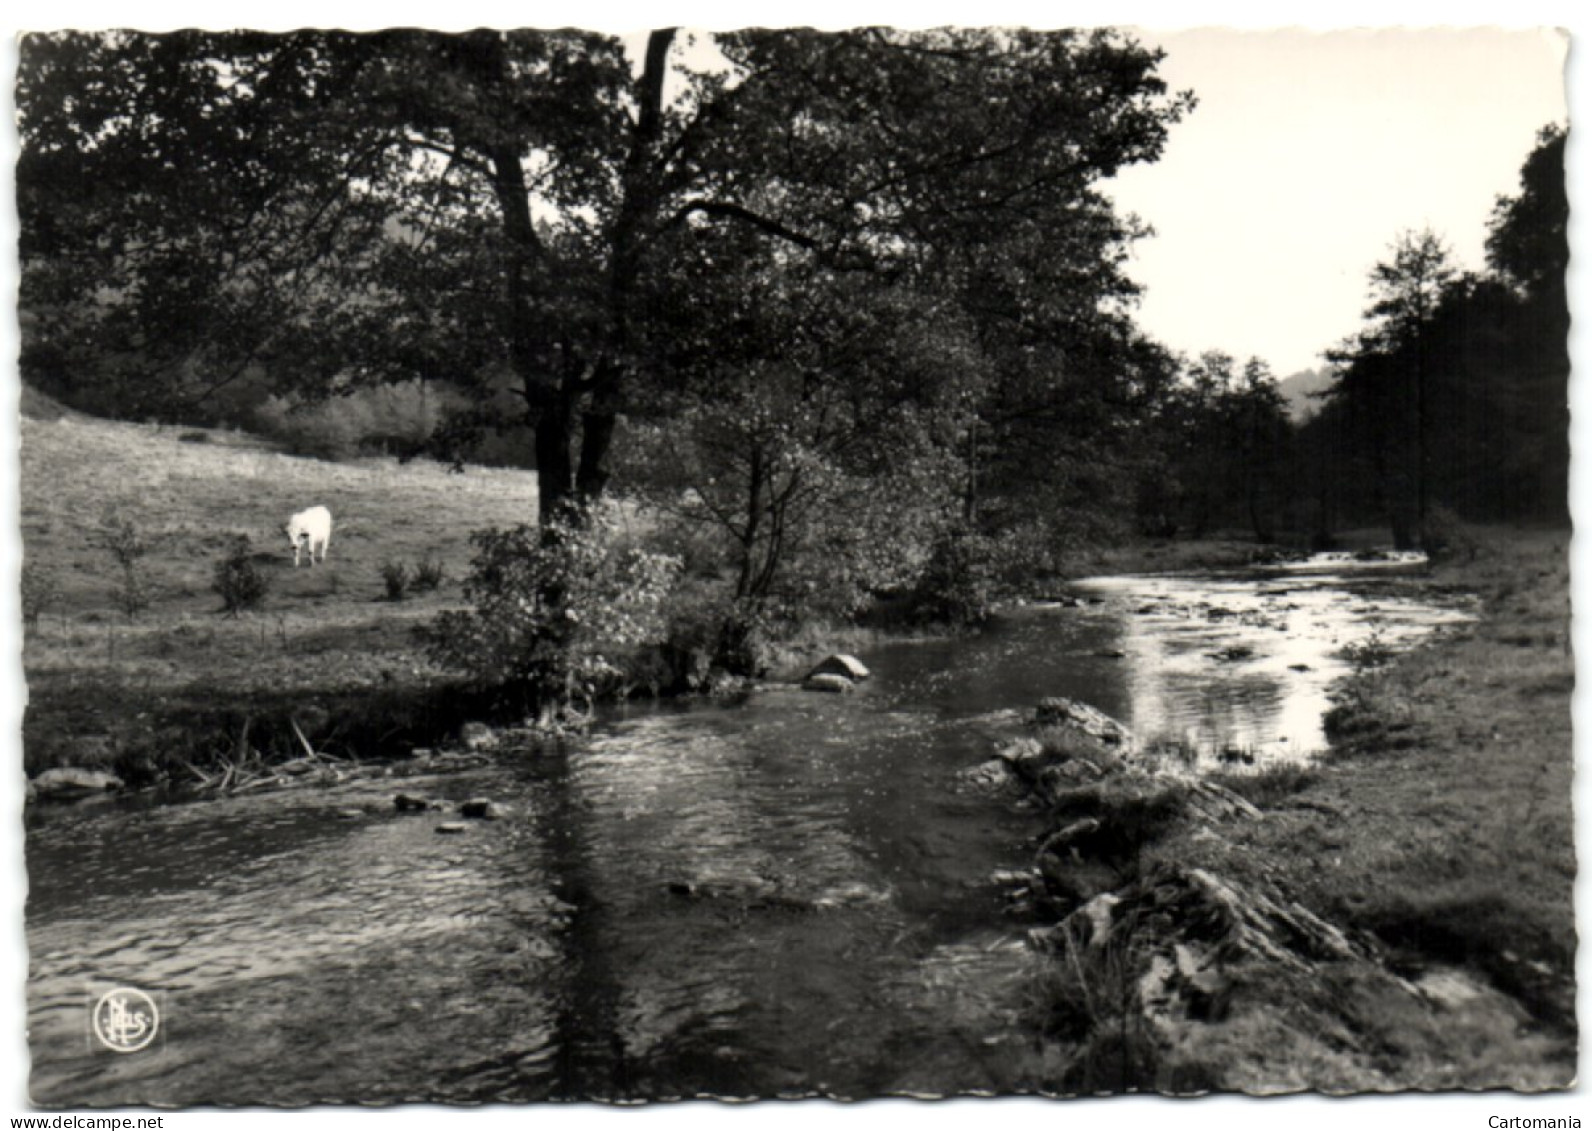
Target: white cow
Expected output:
[309,529]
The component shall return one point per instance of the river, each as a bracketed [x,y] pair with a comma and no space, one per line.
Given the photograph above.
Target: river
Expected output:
[781,897]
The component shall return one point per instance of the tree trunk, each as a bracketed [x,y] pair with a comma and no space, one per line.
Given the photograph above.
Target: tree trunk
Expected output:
[598,423]
[754,520]
[1423,455]
[970,494]
[555,442]
[548,404]
[1402,512]
[1259,519]
[637,216]
[572,463]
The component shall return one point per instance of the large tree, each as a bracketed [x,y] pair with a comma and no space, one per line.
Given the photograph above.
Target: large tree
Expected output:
[1454,394]
[523,210]
[1219,435]
[1528,250]
[1527,238]
[1391,368]
[818,444]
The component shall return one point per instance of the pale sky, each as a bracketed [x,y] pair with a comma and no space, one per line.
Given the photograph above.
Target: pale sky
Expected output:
[1309,152]
[1307,155]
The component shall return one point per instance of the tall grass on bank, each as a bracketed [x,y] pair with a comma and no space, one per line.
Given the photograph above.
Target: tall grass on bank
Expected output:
[1087,1000]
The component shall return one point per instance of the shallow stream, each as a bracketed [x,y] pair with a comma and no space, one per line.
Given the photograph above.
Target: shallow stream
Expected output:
[782,897]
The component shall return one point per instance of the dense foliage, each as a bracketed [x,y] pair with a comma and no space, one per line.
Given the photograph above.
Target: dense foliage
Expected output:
[1453,399]
[821,296]
[525,212]
[1448,405]
[1219,440]
[557,609]
[237,579]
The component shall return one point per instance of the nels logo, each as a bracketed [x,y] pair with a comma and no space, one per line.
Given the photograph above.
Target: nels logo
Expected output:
[126,1020]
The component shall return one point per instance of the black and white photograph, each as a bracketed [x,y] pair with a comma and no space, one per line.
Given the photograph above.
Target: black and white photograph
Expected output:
[562,560]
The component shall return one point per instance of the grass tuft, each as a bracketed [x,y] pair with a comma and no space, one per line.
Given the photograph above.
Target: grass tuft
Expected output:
[395,576]
[1265,788]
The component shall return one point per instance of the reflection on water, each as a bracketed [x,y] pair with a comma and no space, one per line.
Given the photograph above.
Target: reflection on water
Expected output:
[784,897]
[1234,670]
[774,889]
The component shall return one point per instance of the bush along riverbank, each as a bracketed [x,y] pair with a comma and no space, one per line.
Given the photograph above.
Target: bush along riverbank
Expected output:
[1395,916]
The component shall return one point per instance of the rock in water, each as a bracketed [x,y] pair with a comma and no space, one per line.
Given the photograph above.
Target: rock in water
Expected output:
[847,667]
[477,736]
[410,803]
[1073,715]
[995,775]
[68,783]
[1233,654]
[828,681]
[1194,930]
[481,809]
[452,827]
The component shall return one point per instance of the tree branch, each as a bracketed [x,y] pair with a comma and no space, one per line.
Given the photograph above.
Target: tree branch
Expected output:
[745,215]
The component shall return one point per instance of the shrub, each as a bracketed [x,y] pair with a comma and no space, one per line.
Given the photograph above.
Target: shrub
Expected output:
[121,537]
[395,576]
[133,596]
[1088,999]
[428,575]
[238,580]
[958,584]
[1372,652]
[391,419]
[1443,536]
[557,609]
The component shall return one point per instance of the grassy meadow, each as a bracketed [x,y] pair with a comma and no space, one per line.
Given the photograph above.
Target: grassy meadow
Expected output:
[106,689]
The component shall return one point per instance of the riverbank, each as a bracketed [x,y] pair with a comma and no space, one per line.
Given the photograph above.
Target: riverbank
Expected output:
[1445,815]
[1169,555]
[1397,916]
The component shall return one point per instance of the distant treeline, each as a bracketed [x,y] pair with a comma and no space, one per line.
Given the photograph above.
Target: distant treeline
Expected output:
[1450,404]
[1454,398]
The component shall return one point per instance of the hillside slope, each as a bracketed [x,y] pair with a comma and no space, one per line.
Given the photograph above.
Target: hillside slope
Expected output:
[103,687]
[190,491]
